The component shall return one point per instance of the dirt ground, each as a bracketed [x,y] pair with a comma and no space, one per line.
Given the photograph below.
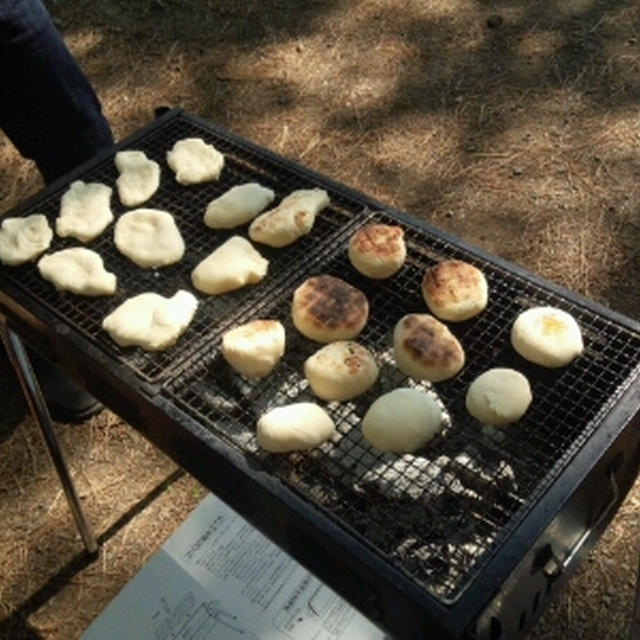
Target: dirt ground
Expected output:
[514,125]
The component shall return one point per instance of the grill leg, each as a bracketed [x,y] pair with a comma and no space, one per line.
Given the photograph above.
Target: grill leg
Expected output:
[21,363]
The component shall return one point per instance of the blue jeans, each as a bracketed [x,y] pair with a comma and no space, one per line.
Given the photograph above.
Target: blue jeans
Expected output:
[48,109]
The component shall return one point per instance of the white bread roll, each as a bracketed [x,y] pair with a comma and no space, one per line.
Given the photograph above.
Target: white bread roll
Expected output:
[194,161]
[326,309]
[293,218]
[547,336]
[139,177]
[234,264]
[378,251]
[151,321]
[79,270]
[294,427]
[402,421]
[341,370]
[24,239]
[499,397]
[425,349]
[149,237]
[455,290]
[237,206]
[85,211]
[255,348]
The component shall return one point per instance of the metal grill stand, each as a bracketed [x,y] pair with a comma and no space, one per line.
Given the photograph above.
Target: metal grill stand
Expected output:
[472,514]
[33,394]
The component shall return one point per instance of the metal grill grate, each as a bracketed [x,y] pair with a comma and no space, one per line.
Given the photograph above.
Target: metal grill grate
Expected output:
[437,515]
[187,204]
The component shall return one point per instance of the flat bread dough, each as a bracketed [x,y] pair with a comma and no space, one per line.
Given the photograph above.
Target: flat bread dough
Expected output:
[293,218]
[378,251]
[254,348]
[238,205]
[326,308]
[194,161]
[402,420]
[547,336]
[425,349]
[232,265]
[341,370]
[151,321]
[499,397]
[139,177]
[24,239]
[149,237]
[294,427]
[85,211]
[78,270]
[455,290]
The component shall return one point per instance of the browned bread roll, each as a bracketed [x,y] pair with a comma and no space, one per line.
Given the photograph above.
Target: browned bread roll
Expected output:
[377,250]
[341,370]
[454,290]
[424,348]
[326,309]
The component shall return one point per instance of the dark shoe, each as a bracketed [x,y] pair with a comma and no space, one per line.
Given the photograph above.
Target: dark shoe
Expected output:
[75,414]
[67,402]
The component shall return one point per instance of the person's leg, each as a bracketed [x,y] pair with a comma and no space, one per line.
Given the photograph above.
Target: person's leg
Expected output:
[48,108]
[52,115]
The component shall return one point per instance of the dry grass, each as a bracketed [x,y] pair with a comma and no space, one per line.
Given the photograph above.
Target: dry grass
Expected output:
[512,124]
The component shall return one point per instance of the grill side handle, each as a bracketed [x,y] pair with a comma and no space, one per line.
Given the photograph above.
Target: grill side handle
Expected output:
[555,566]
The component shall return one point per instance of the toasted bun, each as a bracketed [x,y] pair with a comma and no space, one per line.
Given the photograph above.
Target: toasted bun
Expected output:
[454,290]
[341,370]
[425,349]
[402,421]
[326,309]
[378,250]
[499,397]
[254,348]
[547,336]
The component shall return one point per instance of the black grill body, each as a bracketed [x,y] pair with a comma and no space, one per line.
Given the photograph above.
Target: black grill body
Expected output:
[469,537]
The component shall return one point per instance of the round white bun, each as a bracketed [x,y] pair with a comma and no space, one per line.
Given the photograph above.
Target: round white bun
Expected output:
[547,336]
[294,427]
[341,370]
[425,349]
[255,348]
[402,420]
[455,290]
[499,397]
[377,251]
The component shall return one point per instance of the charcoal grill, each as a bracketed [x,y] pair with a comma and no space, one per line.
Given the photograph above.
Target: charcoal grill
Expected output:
[470,537]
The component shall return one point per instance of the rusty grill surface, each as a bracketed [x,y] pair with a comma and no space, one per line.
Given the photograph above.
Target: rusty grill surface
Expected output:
[438,515]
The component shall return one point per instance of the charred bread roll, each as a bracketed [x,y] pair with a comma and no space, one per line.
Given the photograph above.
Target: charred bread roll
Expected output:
[326,309]
[425,349]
